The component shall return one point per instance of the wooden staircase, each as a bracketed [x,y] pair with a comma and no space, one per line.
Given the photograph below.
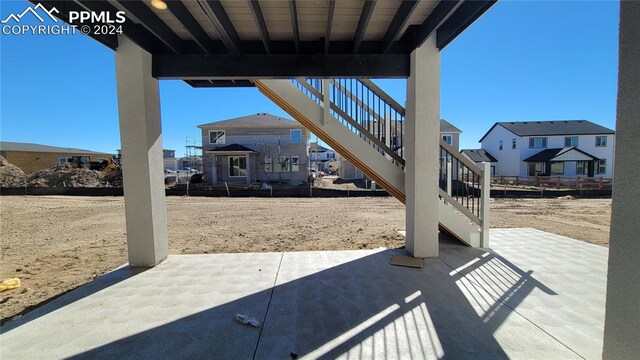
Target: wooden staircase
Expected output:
[366,126]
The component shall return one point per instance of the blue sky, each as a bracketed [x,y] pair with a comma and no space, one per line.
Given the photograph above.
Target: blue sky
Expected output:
[523,60]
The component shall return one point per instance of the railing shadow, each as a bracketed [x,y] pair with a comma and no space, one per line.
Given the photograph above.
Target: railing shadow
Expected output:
[363,308]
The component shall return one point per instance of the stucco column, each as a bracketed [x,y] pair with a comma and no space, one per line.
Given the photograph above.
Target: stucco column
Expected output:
[622,319]
[421,150]
[141,141]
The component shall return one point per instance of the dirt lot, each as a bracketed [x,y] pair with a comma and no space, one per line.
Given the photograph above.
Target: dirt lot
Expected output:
[54,244]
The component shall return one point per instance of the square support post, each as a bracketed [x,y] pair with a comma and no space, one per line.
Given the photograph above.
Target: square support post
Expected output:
[143,168]
[485,205]
[422,148]
[622,314]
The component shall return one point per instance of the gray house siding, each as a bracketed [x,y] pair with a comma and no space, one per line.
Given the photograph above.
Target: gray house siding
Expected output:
[273,143]
[455,139]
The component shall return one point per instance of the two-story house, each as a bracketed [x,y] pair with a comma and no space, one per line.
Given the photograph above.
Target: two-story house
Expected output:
[321,157]
[169,159]
[254,148]
[450,134]
[563,147]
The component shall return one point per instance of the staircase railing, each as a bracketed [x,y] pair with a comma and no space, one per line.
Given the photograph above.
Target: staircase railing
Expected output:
[368,111]
[460,182]
[363,108]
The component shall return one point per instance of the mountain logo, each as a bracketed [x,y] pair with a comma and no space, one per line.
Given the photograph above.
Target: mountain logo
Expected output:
[32,10]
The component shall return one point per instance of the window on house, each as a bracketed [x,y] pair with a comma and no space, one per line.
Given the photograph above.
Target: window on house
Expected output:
[571,141]
[513,143]
[581,167]
[62,160]
[216,137]
[238,166]
[295,163]
[448,139]
[500,145]
[296,136]
[602,166]
[536,169]
[537,142]
[268,166]
[601,141]
[282,164]
[557,168]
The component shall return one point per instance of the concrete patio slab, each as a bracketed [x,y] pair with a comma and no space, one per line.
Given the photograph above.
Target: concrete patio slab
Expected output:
[533,295]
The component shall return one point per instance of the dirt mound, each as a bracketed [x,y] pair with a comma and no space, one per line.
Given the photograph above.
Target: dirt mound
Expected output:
[114,179]
[66,176]
[10,175]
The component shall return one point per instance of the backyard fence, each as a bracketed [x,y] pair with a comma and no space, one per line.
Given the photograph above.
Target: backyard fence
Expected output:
[555,182]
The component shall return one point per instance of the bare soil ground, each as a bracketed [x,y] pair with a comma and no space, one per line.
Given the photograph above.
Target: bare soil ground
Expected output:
[54,244]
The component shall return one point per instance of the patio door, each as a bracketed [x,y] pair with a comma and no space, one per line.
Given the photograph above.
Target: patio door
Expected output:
[536,168]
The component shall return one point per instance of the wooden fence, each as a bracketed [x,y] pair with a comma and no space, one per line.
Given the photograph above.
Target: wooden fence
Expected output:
[555,182]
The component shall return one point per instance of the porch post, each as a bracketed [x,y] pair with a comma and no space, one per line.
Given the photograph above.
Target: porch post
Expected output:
[214,169]
[422,145]
[248,165]
[141,141]
[622,318]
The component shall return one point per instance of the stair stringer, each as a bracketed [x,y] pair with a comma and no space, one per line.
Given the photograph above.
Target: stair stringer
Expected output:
[311,115]
[375,165]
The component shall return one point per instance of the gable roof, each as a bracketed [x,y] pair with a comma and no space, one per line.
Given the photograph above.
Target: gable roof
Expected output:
[29,147]
[554,127]
[479,155]
[447,127]
[254,121]
[550,154]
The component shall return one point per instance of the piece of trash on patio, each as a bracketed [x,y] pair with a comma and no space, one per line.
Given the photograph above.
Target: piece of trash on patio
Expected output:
[248,320]
[8,284]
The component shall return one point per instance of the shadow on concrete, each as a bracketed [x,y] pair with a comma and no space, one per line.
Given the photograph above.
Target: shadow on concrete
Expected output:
[70,296]
[364,308]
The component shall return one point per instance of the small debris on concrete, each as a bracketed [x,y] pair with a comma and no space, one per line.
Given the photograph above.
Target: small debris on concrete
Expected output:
[248,320]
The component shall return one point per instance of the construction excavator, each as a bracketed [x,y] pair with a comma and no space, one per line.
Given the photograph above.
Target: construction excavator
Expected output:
[105,165]
[80,161]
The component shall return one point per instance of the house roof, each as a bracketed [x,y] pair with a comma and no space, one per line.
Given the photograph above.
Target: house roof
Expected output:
[254,121]
[554,127]
[479,155]
[231,148]
[29,147]
[550,154]
[447,127]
